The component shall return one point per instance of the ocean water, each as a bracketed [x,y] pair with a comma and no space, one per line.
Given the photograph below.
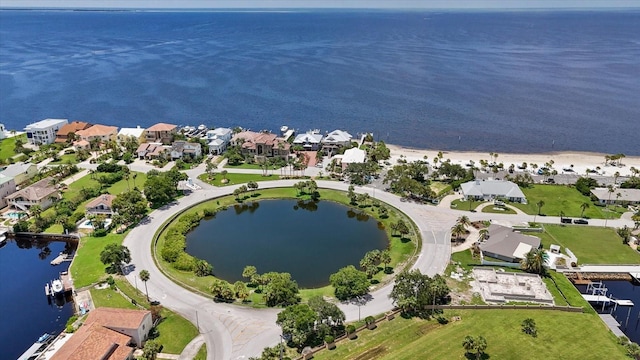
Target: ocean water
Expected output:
[486,81]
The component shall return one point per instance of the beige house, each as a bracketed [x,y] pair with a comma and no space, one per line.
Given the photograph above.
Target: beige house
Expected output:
[41,193]
[261,144]
[150,151]
[136,133]
[20,171]
[181,149]
[161,133]
[7,187]
[103,133]
[107,333]
[101,205]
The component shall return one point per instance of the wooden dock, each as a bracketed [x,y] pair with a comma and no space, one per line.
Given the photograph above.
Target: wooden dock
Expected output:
[61,258]
[67,283]
[612,323]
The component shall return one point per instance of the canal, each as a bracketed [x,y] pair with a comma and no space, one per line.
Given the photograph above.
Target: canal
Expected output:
[26,314]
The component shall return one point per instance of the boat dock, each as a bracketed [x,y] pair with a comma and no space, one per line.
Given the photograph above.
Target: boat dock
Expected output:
[612,324]
[61,258]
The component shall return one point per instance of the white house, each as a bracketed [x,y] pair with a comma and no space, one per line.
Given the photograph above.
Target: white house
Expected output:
[137,133]
[44,131]
[102,204]
[352,156]
[335,140]
[180,149]
[7,187]
[20,171]
[309,141]
[218,139]
[618,196]
[492,189]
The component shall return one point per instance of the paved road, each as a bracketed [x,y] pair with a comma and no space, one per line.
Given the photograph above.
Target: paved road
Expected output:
[235,332]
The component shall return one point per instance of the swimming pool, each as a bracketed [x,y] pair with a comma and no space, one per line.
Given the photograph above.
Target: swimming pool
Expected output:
[14,215]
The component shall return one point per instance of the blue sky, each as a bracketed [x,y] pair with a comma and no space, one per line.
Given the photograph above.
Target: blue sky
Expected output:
[428,4]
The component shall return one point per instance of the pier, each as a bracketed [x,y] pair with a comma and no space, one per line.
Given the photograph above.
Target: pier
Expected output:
[612,324]
[61,258]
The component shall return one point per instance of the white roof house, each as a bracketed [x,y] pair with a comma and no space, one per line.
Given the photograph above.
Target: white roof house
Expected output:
[220,133]
[337,137]
[627,196]
[44,131]
[309,140]
[492,189]
[506,244]
[136,133]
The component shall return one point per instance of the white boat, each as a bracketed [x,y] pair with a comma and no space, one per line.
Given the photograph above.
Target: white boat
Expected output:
[202,127]
[46,289]
[56,286]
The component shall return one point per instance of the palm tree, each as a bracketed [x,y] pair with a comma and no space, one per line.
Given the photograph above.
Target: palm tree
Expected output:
[535,261]
[464,220]
[539,204]
[480,347]
[583,206]
[458,230]
[224,174]
[616,175]
[36,210]
[484,234]
[385,258]
[145,276]
[469,343]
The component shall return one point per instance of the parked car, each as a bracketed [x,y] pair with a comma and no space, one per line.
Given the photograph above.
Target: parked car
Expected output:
[565,220]
[580,221]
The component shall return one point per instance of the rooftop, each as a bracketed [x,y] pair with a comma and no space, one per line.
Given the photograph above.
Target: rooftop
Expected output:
[162,127]
[5,179]
[72,127]
[354,155]
[492,187]
[98,130]
[632,195]
[135,132]
[37,191]
[106,199]
[509,243]
[45,123]
[17,169]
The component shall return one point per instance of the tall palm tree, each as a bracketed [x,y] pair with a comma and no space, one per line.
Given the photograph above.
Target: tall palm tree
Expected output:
[458,230]
[540,259]
[464,220]
[539,204]
[584,206]
[484,234]
[616,175]
[35,210]
[145,276]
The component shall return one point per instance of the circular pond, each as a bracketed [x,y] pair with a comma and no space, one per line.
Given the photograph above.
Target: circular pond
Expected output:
[309,240]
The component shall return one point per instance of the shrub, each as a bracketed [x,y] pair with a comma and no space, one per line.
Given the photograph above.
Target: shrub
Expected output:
[185,262]
[351,329]
[329,339]
[369,320]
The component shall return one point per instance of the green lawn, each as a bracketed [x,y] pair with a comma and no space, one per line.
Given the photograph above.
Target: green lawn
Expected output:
[459,204]
[562,198]
[7,146]
[115,189]
[439,187]
[592,245]
[247,166]
[235,179]
[66,159]
[561,335]
[86,268]
[401,251]
[110,298]
[493,210]
[202,353]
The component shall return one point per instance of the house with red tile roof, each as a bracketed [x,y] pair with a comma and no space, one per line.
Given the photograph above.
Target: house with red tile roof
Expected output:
[103,133]
[261,144]
[161,132]
[107,334]
[62,136]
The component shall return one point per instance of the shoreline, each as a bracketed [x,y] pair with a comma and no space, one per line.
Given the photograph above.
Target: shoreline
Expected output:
[581,160]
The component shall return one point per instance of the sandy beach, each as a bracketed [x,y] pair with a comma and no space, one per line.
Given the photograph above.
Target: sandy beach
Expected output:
[581,161]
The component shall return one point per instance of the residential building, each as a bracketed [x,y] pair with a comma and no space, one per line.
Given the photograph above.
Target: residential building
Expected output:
[619,196]
[2,132]
[42,193]
[506,244]
[44,132]
[136,133]
[150,151]
[102,133]
[351,156]
[492,189]
[101,205]
[62,136]
[7,187]
[335,140]
[161,133]
[181,149]
[218,139]
[261,144]
[108,334]
[309,141]
[20,171]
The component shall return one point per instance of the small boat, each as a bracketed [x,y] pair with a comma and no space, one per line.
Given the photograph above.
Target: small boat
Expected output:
[56,286]
[47,290]
[202,127]
[44,337]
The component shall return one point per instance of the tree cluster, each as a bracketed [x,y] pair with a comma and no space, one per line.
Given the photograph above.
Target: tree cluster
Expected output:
[413,291]
[585,184]
[361,173]
[474,347]
[535,261]
[410,180]
[371,260]
[114,256]
[172,250]
[309,324]
[349,282]
[161,188]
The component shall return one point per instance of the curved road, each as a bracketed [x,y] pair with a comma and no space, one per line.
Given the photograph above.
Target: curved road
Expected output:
[236,332]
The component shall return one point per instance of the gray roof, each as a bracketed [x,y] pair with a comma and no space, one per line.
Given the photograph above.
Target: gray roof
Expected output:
[625,194]
[492,187]
[16,169]
[504,241]
[312,138]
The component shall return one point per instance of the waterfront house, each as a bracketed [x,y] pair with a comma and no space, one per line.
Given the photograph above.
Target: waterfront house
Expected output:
[136,133]
[351,156]
[101,133]
[310,141]
[181,149]
[218,139]
[44,132]
[150,151]
[101,205]
[161,133]
[107,333]
[2,132]
[42,193]
[492,189]
[335,140]
[20,171]
[62,136]
[508,245]
[618,196]
[261,144]
[7,187]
